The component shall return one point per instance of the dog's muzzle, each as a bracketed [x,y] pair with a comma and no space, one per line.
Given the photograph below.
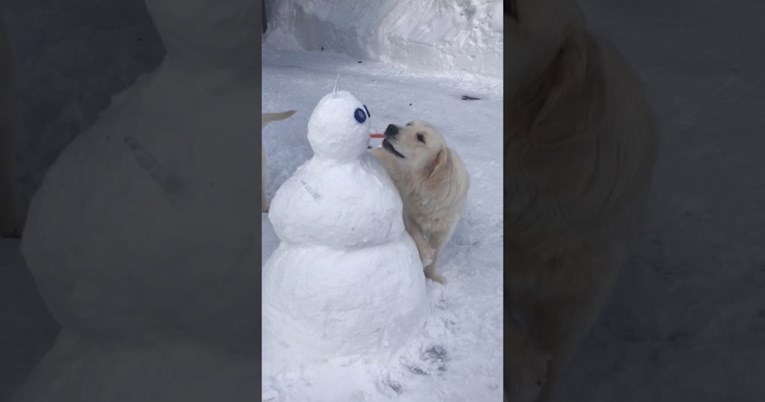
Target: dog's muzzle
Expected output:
[391,131]
[389,147]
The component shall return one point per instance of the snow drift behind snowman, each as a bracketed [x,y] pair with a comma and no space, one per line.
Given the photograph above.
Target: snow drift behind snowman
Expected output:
[346,279]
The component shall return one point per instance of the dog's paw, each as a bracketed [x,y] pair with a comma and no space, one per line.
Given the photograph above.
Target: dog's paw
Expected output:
[438,279]
[431,274]
[427,255]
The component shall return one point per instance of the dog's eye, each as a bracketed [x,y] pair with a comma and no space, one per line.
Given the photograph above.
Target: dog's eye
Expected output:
[420,138]
[360,115]
[367,110]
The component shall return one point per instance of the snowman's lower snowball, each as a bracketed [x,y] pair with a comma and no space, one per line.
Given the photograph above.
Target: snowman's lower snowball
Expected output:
[333,303]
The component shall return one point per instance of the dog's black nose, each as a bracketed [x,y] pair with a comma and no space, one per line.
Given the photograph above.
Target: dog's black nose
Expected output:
[391,131]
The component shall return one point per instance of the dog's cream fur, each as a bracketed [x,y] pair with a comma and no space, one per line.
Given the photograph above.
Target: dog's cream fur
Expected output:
[10,220]
[580,148]
[433,183]
[267,118]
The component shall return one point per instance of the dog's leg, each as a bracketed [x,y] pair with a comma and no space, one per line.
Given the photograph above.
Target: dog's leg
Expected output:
[437,241]
[427,254]
[430,273]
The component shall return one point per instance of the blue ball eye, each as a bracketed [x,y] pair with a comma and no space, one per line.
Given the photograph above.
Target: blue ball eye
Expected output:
[360,115]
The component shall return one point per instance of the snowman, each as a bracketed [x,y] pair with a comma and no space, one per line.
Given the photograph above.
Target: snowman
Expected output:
[346,279]
[142,237]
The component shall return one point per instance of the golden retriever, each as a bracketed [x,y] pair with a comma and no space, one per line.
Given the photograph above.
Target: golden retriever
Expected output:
[267,118]
[580,147]
[433,183]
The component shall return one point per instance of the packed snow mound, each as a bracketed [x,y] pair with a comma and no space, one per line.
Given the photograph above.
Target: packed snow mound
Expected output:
[346,279]
[327,303]
[434,35]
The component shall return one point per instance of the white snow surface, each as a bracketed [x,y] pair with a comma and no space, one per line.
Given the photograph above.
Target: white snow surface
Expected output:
[429,35]
[457,354]
[346,278]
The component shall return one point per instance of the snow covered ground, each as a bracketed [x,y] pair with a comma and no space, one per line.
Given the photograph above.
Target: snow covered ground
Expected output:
[458,355]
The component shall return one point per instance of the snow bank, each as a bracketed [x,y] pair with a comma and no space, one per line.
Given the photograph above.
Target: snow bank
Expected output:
[435,35]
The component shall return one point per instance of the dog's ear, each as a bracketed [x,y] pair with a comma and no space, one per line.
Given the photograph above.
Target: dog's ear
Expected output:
[439,169]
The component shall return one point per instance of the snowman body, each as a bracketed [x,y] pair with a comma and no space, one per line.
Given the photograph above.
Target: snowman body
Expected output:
[346,279]
[142,236]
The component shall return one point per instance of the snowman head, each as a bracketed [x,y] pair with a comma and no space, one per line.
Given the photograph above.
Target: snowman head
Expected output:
[339,127]
[207,31]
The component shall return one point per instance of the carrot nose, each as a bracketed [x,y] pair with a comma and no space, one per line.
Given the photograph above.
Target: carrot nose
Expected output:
[377,135]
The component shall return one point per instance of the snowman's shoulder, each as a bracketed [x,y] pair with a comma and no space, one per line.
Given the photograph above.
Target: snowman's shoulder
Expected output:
[376,168]
[302,172]
[369,162]
[318,180]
